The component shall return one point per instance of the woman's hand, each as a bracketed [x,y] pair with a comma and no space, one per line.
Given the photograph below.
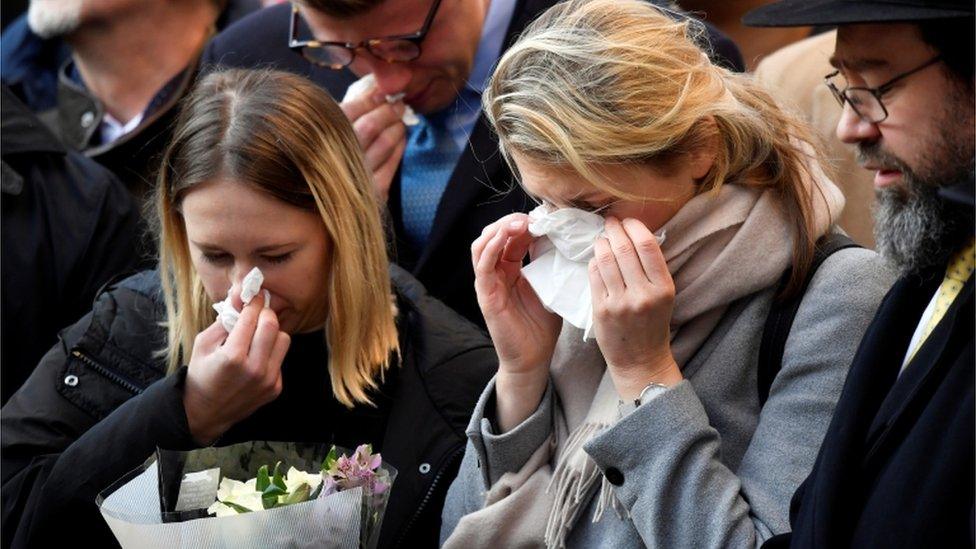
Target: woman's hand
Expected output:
[229,379]
[523,331]
[633,296]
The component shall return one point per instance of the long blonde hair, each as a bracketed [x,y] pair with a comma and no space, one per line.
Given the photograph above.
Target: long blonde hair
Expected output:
[621,82]
[282,135]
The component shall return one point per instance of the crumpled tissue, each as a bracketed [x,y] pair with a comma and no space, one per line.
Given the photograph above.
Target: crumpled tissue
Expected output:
[559,273]
[250,286]
[364,84]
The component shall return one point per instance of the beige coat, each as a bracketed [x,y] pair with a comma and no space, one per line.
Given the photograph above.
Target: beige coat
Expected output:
[794,75]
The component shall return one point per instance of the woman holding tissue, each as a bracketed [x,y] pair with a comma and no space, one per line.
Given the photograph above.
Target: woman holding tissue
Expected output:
[266,211]
[675,195]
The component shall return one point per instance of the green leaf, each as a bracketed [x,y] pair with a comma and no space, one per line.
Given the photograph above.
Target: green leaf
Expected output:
[262,481]
[299,495]
[317,491]
[330,459]
[279,479]
[269,502]
[236,507]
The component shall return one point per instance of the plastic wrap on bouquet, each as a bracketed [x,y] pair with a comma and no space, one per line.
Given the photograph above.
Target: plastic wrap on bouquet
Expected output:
[165,503]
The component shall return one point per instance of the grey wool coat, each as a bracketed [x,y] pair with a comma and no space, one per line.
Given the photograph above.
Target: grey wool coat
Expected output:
[701,465]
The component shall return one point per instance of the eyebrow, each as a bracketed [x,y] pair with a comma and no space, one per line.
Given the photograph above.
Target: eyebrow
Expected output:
[858,65]
[263,249]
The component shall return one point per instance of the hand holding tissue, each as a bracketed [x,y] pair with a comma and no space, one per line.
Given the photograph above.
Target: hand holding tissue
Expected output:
[368,82]
[559,273]
[250,286]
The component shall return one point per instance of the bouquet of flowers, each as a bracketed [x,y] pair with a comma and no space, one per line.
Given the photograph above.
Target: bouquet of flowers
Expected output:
[255,494]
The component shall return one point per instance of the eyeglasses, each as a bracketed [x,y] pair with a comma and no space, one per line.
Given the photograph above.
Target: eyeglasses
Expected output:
[866,102]
[338,55]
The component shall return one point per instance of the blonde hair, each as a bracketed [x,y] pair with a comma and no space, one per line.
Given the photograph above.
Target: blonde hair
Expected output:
[620,82]
[282,135]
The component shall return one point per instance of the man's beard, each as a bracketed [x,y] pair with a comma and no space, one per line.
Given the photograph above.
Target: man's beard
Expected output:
[913,227]
[53,18]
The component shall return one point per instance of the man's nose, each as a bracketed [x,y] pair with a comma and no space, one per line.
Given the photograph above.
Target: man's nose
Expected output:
[851,128]
[391,78]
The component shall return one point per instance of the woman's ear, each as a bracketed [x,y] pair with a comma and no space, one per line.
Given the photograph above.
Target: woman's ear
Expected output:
[704,156]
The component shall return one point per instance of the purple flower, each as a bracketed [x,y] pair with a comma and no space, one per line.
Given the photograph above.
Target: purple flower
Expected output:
[362,469]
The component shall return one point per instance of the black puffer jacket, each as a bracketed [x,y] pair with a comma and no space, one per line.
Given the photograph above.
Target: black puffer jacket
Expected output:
[99,403]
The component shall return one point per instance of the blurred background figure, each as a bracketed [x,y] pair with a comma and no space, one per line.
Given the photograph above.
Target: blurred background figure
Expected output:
[754,43]
[794,75]
[105,76]
[68,227]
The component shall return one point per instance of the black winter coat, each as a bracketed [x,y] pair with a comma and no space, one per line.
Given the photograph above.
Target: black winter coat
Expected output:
[68,227]
[100,403]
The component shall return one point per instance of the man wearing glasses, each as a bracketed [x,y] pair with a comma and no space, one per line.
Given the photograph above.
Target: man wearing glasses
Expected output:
[896,467]
[443,180]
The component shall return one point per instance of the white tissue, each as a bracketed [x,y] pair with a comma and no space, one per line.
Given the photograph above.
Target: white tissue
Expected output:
[250,286]
[367,82]
[559,273]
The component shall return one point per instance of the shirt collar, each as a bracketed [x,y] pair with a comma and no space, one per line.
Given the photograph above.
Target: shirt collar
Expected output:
[492,37]
[75,85]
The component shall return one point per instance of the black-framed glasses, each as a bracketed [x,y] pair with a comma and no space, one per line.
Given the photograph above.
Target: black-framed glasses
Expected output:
[866,102]
[338,55]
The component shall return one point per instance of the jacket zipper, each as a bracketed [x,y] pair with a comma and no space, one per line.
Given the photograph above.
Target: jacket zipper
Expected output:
[430,494]
[112,376]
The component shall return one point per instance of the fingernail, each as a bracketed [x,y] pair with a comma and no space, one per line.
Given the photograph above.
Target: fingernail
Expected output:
[516,224]
[267,299]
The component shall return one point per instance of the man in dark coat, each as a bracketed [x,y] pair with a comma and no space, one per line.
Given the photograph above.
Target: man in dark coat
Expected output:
[68,227]
[896,468]
[444,178]
[114,99]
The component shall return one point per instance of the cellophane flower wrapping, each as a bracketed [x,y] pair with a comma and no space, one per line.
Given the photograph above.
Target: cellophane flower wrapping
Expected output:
[170,501]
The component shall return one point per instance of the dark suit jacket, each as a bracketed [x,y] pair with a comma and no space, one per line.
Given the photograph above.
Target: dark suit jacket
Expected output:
[481,189]
[896,468]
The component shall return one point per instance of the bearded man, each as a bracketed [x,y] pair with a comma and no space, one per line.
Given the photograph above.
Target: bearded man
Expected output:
[896,468]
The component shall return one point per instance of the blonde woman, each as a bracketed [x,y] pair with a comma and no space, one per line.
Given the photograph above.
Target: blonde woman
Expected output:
[653,434]
[264,171]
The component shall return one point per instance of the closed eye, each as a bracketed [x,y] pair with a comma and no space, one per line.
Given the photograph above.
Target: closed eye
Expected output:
[216,258]
[278,259]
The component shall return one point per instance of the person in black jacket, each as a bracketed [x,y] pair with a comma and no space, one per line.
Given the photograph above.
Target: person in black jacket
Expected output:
[438,203]
[896,468]
[264,171]
[68,227]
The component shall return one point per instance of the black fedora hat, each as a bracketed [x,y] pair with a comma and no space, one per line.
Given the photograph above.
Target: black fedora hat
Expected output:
[795,13]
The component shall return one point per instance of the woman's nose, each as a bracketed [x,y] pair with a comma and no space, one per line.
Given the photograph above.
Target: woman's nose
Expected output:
[234,293]
[237,274]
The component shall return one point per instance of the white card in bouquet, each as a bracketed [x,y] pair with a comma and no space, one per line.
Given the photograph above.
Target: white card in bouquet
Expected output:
[198,490]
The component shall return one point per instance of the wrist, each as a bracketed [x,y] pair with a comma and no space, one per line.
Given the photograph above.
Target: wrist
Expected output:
[517,395]
[631,380]
[203,430]
[521,382]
